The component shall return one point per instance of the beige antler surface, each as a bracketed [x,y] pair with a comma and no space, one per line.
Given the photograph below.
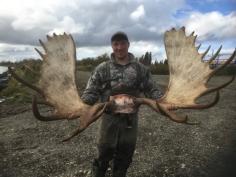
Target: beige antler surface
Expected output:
[189,74]
[57,84]
[58,75]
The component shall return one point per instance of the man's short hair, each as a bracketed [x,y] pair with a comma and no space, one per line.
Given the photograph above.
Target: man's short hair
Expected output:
[119,36]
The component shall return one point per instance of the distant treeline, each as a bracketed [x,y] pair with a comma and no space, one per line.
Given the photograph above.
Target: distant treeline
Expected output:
[88,64]
[158,68]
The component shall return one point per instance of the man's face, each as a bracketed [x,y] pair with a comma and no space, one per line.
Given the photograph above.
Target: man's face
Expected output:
[120,49]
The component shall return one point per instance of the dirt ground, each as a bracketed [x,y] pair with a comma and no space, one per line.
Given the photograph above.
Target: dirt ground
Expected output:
[30,148]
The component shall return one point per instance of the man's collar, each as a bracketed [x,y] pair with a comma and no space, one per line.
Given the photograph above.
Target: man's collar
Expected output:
[130,56]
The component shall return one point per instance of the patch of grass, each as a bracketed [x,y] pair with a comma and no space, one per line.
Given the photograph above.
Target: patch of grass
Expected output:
[17,92]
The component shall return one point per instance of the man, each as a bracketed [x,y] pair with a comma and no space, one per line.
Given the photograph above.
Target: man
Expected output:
[118,132]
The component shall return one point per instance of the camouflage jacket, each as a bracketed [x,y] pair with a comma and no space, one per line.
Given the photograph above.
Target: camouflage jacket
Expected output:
[110,78]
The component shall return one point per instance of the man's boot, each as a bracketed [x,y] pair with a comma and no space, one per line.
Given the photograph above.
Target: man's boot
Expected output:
[99,168]
[119,173]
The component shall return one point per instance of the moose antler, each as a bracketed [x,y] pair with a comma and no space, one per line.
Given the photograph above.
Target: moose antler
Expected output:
[188,74]
[57,83]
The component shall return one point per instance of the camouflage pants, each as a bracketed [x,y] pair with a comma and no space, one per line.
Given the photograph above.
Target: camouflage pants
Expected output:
[117,140]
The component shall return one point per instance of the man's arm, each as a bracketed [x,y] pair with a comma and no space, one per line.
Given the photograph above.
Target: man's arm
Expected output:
[93,89]
[150,89]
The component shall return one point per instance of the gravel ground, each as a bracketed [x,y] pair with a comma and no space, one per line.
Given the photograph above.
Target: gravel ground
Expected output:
[30,148]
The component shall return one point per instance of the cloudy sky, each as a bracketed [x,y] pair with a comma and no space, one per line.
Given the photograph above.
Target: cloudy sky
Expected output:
[92,22]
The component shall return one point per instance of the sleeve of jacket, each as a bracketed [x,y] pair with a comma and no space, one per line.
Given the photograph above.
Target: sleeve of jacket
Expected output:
[94,89]
[149,87]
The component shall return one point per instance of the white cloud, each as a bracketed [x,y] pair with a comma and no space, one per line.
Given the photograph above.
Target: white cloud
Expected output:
[19,52]
[9,47]
[36,19]
[67,25]
[212,25]
[139,48]
[16,8]
[16,52]
[85,52]
[138,13]
[92,23]
[29,14]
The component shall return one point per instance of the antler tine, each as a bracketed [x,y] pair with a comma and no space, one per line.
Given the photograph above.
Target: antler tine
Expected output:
[215,55]
[172,29]
[44,103]
[174,117]
[219,87]
[156,106]
[30,69]
[36,113]
[214,71]
[43,45]
[93,114]
[180,119]
[45,118]
[194,40]
[225,64]
[70,36]
[40,53]
[203,106]
[198,47]
[25,82]
[171,115]
[48,37]
[204,54]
